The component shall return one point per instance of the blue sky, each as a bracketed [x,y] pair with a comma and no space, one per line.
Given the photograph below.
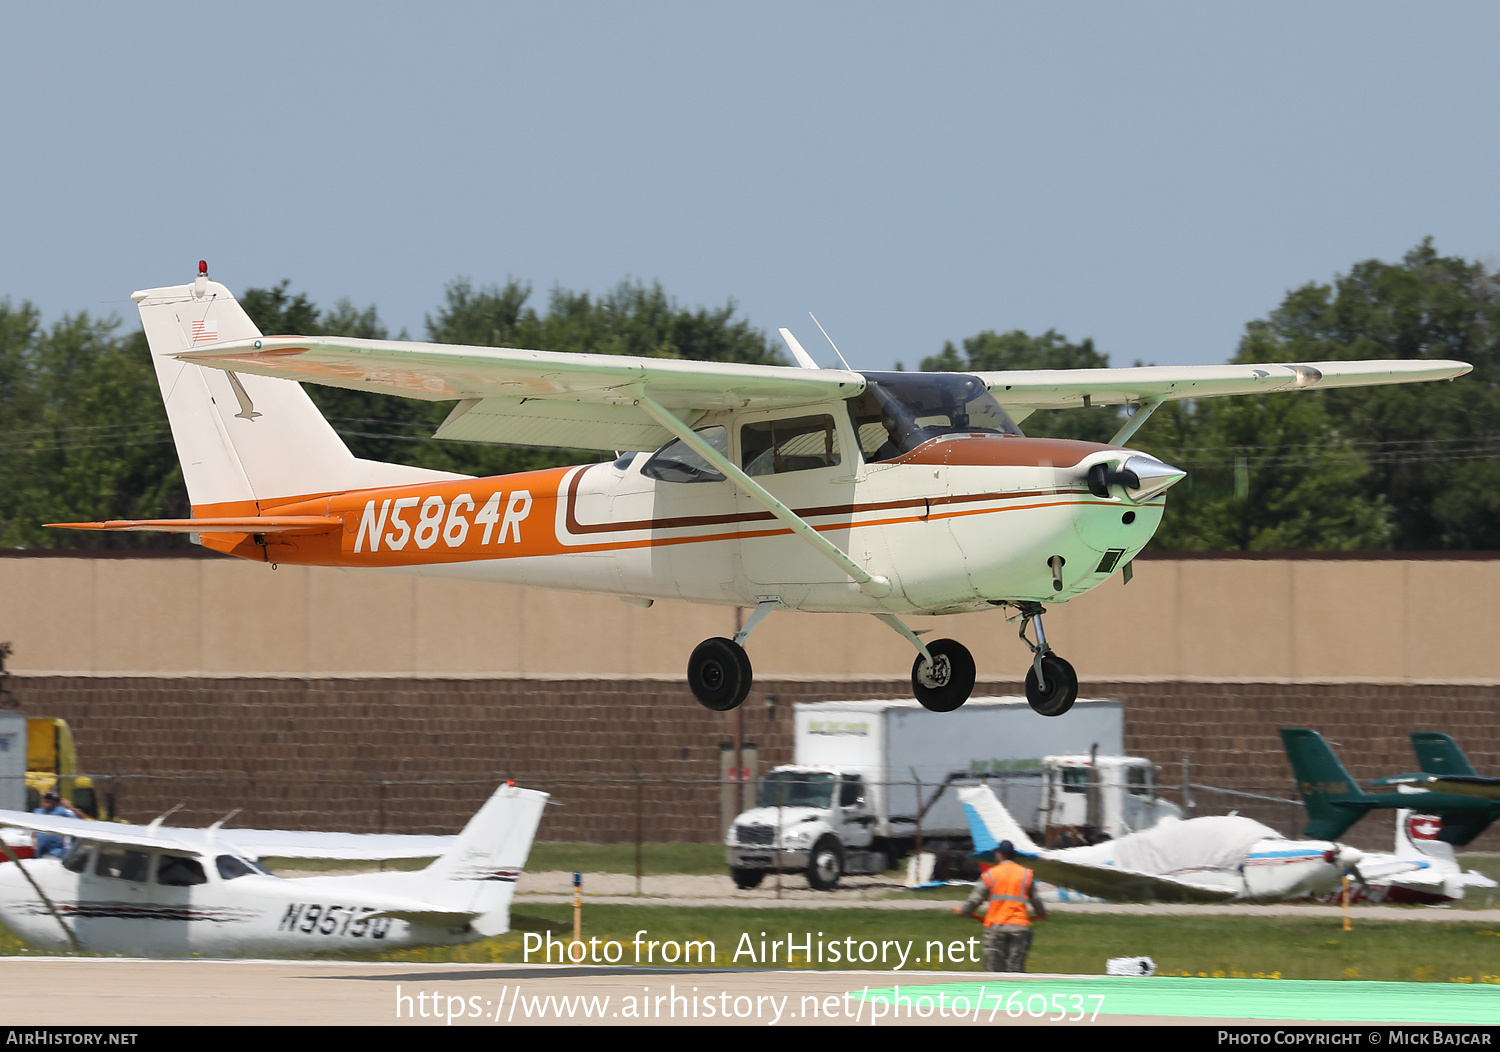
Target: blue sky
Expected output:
[1150,175]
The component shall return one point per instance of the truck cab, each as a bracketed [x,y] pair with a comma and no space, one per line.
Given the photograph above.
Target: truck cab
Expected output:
[813,820]
[1088,798]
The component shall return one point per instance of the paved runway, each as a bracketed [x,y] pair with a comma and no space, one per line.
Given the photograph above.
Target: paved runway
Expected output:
[116,992]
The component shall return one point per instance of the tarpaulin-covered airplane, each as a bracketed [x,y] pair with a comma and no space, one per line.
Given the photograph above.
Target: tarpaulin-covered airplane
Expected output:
[1335,801]
[156,890]
[1218,859]
[739,485]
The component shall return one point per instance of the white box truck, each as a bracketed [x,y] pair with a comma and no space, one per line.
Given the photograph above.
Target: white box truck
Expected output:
[871,778]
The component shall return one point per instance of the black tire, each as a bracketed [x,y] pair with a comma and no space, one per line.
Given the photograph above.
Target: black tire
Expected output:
[1062,687]
[951,684]
[745,879]
[719,674]
[825,865]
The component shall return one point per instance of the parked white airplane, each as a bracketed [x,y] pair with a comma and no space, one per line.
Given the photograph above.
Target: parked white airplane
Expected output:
[160,891]
[1423,870]
[772,487]
[1196,860]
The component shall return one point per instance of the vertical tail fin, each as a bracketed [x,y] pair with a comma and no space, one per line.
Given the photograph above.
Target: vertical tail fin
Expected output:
[990,823]
[245,442]
[479,872]
[1333,799]
[1437,753]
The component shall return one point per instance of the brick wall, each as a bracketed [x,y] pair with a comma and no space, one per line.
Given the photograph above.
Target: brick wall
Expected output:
[419,755]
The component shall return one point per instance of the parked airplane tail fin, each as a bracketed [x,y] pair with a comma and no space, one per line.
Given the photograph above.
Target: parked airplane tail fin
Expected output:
[1437,753]
[245,442]
[479,872]
[990,823]
[1333,799]
[1419,836]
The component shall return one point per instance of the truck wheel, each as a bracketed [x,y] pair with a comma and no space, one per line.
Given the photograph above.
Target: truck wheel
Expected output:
[745,879]
[826,865]
[945,683]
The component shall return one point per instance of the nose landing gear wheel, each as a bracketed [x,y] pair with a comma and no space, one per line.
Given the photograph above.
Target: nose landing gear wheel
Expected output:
[946,682]
[719,674]
[1062,686]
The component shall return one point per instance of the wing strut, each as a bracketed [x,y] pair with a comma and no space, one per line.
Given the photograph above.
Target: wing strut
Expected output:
[1137,419]
[73,939]
[870,584]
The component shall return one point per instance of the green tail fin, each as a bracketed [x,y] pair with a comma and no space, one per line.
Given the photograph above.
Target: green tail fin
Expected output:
[1333,799]
[1437,753]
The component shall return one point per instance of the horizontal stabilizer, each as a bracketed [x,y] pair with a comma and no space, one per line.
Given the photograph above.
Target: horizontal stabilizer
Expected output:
[288,524]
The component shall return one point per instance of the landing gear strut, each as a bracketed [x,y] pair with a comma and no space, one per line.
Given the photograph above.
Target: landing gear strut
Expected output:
[719,672]
[943,676]
[1051,683]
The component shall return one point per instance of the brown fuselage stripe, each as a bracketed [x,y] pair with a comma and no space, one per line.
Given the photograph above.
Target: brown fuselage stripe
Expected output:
[845,510]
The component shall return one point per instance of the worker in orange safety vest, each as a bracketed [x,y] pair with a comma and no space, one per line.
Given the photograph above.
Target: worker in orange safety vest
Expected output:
[1009,888]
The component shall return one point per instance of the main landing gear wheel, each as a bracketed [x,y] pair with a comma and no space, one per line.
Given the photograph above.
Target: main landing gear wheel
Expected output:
[826,865]
[946,682]
[719,674]
[1061,690]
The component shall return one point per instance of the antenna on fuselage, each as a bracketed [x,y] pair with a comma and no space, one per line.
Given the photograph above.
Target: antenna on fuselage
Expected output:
[829,338]
[159,819]
[803,358]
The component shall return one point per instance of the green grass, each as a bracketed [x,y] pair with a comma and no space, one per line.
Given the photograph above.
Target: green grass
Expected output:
[656,859]
[1218,946]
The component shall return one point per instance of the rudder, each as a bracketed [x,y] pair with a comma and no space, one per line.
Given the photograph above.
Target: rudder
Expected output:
[1333,799]
[1438,753]
[245,442]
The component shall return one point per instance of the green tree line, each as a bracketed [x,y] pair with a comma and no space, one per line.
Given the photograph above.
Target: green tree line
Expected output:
[83,435]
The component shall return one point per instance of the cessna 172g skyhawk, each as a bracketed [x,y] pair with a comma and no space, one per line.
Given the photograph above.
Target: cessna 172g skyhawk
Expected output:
[155,890]
[739,485]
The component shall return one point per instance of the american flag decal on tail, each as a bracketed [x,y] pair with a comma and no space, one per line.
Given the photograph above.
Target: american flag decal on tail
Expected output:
[205,331]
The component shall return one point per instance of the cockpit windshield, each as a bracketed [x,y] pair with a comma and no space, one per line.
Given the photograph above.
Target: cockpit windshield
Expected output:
[900,411]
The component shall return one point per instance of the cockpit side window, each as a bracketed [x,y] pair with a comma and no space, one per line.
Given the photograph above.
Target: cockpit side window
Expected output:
[773,447]
[174,871]
[677,462]
[899,411]
[78,857]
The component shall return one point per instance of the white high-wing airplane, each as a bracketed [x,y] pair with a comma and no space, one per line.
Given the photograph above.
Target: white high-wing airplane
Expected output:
[1422,870]
[1222,859]
[769,487]
[160,891]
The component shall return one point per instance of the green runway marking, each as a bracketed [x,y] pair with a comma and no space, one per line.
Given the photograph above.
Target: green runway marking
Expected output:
[1310,1000]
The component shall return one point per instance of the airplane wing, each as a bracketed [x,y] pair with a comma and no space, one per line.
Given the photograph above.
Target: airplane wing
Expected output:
[142,837]
[253,843]
[536,398]
[1120,885]
[1478,786]
[1024,391]
[294,843]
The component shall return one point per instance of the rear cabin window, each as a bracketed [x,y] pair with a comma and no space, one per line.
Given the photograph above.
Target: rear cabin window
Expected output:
[774,447]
